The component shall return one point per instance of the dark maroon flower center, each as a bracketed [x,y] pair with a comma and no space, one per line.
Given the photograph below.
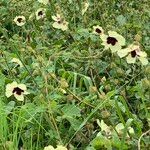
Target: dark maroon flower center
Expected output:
[98,31]
[18,91]
[111,40]
[60,21]
[133,53]
[40,13]
[19,20]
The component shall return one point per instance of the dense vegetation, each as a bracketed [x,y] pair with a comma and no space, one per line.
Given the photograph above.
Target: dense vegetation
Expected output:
[74,75]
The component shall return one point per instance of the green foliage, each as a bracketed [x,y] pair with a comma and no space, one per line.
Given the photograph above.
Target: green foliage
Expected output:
[72,82]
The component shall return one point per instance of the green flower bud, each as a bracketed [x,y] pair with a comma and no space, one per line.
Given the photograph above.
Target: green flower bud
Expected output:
[105,114]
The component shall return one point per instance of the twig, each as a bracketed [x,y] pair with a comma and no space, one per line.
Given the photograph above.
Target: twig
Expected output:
[141,138]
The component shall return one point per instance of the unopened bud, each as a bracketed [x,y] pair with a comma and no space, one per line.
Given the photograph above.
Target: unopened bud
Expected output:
[52,75]
[113,65]
[137,38]
[69,97]
[62,91]
[145,83]
[93,89]
[103,80]
[108,87]
[105,114]
[120,71]
[63,83]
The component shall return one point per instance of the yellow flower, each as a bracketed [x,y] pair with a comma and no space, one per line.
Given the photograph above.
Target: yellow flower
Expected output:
[17,61]
[20,20]
[45,2]
[40,13]
[59,147]
[98,30]
[59,23]
[49,148]
[85,7]
[18,90]
[133,52]
[113,40]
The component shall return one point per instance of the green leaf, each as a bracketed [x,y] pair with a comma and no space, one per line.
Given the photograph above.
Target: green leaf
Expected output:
[74,122]
[121,20]
[101,142]
[9,107]
[110,94]
[2,82]
[71,111]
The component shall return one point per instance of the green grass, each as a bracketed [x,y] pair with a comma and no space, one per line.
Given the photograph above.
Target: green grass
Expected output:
[63,72]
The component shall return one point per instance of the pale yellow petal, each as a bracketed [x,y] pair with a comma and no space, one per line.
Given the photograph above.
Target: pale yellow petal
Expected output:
[131,130]
[104,37]
[112,33]
[104,127]
[45,2]
[60,147]
[22,87]
[49,148]
[22,22]
[97,27]
[134,47]
[17,61]
[142,54]
[11,86]
[123,52]
[40,16]
[130,59]
[19,97]
[56,25]
[106,46]
[64,27]
[115,48]
[119,128]
[26,93]
[143,60]
[8,93]
[54,18]
[119,38]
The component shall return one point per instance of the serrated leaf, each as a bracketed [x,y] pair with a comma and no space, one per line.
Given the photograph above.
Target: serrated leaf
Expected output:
[71,110]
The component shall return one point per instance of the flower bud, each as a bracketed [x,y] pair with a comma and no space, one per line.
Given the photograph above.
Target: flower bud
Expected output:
[105,114]
[113,65]
[62,91]
[63,83]
[147,70]
[145,83]
[137,38]
[108,87]
[120,72]
[69,97]
[103,80]
[93,89]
